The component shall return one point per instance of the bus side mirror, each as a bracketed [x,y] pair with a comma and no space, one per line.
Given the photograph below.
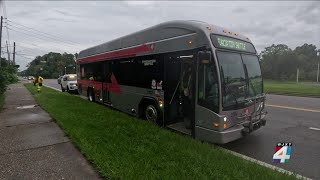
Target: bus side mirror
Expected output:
[204,57]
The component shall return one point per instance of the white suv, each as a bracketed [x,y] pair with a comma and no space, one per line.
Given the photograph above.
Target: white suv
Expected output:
[69,83]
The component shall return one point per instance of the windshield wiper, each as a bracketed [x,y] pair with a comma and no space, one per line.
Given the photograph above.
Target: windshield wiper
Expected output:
[249,82]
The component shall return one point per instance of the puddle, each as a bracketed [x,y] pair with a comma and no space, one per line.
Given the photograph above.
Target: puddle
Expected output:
[27,107]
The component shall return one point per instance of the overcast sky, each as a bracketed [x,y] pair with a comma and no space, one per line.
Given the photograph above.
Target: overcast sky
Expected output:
[77,25]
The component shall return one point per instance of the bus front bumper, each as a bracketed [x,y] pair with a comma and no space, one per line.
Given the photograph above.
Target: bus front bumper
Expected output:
[228,135]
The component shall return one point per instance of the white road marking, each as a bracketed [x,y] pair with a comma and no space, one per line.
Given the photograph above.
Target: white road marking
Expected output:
[298,176]
[317,129]
[293,108]
[52,88]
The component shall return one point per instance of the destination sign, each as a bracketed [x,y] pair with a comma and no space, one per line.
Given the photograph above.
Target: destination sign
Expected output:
[232,43]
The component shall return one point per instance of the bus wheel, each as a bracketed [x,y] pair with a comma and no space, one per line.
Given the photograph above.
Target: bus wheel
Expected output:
[62,89]
[152,114]
[91,96]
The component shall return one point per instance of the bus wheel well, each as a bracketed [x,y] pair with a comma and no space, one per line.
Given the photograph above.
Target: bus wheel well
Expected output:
[144,103]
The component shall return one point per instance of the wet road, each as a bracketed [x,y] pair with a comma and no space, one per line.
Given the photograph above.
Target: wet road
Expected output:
[289,119]
[52,83]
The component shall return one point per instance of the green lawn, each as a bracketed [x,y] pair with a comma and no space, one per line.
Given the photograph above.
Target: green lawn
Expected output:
[292,88]
[2,97]
[121,146]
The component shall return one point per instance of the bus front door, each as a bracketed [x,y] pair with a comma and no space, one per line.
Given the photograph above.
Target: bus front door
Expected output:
[188,92]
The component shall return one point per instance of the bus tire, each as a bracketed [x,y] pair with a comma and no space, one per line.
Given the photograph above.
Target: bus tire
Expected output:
[62,89]
[152,113]
[91,96]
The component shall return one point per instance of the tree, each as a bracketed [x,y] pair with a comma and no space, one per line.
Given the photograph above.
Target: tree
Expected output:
[280,62]
[52,65]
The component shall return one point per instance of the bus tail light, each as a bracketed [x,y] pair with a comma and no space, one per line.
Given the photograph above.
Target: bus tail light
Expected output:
[224,126]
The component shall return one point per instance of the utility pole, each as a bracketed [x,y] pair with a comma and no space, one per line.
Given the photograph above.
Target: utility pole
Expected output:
[8,52]
[318,56]
[0,39]
[297,75]
[14,53]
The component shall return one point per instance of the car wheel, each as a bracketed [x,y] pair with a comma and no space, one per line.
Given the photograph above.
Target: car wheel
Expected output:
[62,89]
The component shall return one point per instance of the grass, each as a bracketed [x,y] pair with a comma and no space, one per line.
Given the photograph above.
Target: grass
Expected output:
[2,98]
[291,88]
[122,146]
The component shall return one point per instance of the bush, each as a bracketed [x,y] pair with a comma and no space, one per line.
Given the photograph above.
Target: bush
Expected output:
[7,76]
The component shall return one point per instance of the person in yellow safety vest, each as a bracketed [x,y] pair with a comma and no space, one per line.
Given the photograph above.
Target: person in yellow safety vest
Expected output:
[91,78]
[39,81]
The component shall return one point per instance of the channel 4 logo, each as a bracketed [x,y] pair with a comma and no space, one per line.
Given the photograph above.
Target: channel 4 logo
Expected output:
[282,153]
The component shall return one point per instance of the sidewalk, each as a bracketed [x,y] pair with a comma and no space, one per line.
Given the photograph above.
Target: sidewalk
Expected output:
[32,146]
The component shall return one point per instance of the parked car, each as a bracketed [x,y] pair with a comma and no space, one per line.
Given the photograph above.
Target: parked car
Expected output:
[30,78]
[59,79]
[69,83]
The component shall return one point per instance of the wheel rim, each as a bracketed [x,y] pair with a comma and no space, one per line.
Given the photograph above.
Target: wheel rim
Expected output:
[151,113]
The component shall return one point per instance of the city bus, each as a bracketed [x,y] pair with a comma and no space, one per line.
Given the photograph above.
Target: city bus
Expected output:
[190,76]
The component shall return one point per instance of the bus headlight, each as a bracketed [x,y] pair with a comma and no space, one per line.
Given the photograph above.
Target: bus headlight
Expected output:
[161,103]
[260,106]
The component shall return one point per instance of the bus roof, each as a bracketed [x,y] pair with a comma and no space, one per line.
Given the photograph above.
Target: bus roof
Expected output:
[159,32]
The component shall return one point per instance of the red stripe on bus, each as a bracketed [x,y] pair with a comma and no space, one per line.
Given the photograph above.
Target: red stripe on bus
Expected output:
[113,86]
[116,54]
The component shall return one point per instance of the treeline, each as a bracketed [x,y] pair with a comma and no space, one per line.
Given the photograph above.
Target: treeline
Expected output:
[279,62]
[8,74]
[51,65]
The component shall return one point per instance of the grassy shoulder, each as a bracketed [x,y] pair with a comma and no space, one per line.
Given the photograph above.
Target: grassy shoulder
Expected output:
[292,88]
[2,98]
[121,146]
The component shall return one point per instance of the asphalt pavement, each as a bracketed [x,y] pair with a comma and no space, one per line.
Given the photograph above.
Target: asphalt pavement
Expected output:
[290,119]
[32,146]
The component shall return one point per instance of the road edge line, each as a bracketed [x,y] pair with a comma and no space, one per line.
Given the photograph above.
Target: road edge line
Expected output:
[292,108]
[265,164]
[51,87]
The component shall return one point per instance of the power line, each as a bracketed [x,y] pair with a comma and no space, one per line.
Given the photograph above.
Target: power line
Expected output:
[41,31]
[33,35]
[12,26]
[24,57]
[38,38]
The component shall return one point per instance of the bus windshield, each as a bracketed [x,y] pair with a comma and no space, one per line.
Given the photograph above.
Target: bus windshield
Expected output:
[241,77]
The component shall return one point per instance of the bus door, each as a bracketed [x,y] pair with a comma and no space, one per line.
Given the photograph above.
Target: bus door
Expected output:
[107,80]
[187,89]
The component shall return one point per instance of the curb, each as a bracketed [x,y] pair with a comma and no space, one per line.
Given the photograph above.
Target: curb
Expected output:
[265,164]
